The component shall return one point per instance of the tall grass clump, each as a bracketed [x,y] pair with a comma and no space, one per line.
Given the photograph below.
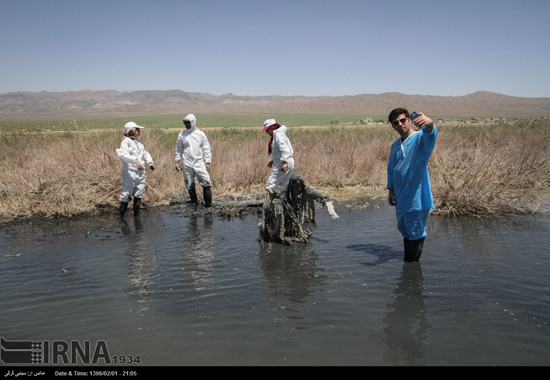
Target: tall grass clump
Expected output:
[490,169]
[51,174]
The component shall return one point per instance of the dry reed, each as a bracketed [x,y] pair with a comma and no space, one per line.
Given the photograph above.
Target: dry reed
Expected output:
[475,170]
[492,169]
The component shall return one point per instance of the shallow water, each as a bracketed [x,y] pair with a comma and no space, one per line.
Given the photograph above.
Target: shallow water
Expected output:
[184,289]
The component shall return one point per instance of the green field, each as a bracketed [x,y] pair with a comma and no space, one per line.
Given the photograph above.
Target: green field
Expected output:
[174,121]
[211,120]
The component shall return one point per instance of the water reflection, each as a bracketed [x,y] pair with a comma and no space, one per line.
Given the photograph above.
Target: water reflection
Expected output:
[289,271]
[197,255]
[406,322]
[141,263]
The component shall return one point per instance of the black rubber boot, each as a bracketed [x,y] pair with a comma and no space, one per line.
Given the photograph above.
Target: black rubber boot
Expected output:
[122,209]
[416,249]
[193,194]
[407,244]
[137,206]
[207,194]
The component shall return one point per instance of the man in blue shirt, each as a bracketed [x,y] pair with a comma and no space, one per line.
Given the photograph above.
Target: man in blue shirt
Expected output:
[408,179]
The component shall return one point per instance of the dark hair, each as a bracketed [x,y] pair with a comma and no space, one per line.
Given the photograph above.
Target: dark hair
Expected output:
[396,112]
[130,132]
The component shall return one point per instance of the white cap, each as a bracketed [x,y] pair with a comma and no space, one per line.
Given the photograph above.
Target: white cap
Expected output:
[131,125]
[268,123]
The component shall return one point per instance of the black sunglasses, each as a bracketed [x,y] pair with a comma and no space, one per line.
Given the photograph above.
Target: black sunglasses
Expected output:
[397,122]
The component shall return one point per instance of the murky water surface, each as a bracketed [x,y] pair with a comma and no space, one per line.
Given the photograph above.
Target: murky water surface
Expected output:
[184,289]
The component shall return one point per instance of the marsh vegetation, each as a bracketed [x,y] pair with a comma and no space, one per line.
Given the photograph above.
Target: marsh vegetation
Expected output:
[475,169]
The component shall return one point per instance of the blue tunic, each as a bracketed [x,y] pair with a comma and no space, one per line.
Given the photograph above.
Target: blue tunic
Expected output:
[408,171]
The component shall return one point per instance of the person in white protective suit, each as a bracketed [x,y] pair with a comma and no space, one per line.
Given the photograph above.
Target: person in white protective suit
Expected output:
[193,150]
[281,150]
[135,159]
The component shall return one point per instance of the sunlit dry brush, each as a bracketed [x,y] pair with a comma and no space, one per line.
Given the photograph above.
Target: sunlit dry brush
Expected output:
[70,173]
[477,170]
[342,156]
[326,156]
[66,174]
[50,174]
[239,161]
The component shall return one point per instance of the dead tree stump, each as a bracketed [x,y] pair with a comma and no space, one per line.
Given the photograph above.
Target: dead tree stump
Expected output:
[285,212]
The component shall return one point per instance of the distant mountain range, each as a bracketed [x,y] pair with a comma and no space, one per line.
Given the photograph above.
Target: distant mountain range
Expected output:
[113,103]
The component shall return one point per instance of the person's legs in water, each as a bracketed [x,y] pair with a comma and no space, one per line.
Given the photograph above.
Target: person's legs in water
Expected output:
[412,226]
[193,194]
[137,206]
[207,194]
[416,249]
[122,209]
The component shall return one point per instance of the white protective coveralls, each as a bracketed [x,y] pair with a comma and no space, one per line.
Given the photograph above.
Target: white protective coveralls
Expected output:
[281,151]
[193,149]
[133,179]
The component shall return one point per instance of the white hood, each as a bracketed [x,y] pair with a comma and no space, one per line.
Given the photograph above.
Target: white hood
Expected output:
[192,119]
[282,129]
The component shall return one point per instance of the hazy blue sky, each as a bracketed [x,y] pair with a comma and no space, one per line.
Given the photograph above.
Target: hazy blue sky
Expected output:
[277,47]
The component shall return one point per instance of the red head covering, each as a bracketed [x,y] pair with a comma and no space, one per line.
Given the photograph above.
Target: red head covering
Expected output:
[272,127]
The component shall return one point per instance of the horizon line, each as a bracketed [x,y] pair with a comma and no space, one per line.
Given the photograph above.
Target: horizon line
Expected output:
[273,95]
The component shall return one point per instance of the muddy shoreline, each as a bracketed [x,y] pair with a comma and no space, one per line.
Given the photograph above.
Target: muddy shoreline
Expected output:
[237,205]
[224,207]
